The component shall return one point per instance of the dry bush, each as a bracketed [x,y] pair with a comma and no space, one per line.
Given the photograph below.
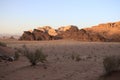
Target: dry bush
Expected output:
[16,55]
[75,57]
[34,57]
[72,57]
[78,58]
[111,64]
[19,50]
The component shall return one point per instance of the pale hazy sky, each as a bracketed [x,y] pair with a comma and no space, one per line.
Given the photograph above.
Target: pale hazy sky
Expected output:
[19,15]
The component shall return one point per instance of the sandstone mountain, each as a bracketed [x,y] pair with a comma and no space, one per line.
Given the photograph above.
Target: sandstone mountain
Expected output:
[103,32]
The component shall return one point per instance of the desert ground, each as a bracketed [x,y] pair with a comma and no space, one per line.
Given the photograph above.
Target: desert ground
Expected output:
[60,63]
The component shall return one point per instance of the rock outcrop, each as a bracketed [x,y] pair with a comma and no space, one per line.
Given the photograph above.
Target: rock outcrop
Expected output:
[81,35]
[110,31]
[41,33]
[103,32]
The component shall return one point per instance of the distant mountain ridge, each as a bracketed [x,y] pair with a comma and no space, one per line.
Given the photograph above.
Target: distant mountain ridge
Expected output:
[108,32]
[9,36]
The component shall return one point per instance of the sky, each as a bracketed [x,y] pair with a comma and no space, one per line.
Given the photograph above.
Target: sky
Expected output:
[17,16]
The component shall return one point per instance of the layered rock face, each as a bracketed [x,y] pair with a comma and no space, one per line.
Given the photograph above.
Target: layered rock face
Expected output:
[102,32]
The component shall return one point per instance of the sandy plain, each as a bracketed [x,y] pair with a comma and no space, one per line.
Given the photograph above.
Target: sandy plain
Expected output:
[60,63]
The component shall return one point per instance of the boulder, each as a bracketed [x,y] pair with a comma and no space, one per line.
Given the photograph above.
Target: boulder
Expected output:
[52,32]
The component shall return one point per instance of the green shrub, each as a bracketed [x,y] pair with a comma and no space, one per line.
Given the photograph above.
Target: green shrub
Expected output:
[111,63]
[35,57]
[3,44]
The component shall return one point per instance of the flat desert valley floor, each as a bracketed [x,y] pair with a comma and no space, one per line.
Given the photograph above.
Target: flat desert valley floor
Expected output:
[67,60]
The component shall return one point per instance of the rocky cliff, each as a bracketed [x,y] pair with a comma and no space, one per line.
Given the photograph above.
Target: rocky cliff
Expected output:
[103,32]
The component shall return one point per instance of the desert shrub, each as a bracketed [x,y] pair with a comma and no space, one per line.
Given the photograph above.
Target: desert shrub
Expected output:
[25,50]
[75,57]
[16,55]
[111,63]
[35,57]
[3,44]
[78,58]
[19,50]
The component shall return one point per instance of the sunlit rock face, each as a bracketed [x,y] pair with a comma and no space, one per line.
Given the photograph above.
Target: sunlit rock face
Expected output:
[48,29]
[108,32]
[52,32]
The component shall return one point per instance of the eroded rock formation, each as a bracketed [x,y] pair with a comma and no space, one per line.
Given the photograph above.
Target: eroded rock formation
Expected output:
[102,32]
[41,33]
